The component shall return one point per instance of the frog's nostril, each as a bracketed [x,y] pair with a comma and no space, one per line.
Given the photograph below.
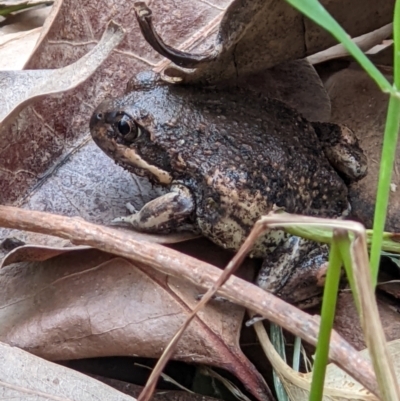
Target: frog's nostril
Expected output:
[99,116]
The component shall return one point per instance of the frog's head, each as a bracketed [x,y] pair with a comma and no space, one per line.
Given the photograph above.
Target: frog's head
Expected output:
[126,137]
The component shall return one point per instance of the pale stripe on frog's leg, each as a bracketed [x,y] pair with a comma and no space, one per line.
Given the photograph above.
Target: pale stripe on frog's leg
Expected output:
[295,271]
[163,214]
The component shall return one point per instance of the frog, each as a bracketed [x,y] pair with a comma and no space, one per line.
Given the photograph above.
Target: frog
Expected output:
[228,156]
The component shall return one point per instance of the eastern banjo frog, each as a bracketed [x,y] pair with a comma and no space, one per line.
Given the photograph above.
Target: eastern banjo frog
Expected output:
[229,156]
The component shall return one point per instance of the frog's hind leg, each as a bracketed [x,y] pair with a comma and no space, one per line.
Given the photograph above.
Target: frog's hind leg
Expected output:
[342,149]
[295,271]
[167,213]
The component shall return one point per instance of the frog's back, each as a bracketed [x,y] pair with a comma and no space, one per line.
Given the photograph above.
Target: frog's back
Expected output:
[256,146]
[241,155]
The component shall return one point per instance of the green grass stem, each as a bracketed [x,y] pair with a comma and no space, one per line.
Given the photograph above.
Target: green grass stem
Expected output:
[388,155]
[327,317]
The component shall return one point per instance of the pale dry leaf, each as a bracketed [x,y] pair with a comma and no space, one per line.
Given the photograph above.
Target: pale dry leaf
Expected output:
[24,21]
[20,88]
[90,304]
[15,48]
[36,253]
[18,36]
[25,376]
[365,42]
[298,385]
[339,386]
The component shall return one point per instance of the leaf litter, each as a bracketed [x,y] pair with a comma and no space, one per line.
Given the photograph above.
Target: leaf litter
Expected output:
[110,85]
[199,273]
[25,376]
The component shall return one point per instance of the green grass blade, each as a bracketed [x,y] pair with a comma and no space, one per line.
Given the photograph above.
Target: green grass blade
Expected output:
[277,339]
[319,234]
[388,154]
[296,354]
[316,12]
[385,175]
[5,10]
[327,317]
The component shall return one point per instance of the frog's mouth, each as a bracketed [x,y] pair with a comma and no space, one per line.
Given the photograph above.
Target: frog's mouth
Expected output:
[128,156]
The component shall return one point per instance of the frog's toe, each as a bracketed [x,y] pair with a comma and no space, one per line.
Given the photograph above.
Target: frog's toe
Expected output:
[131,208]
[122,219]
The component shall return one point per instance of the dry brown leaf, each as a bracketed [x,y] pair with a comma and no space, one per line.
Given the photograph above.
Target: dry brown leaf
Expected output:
[89,304]
[36,253]
[358,103]
[348,325]
[295,83]
[24,376]
[199,273]
[255,35]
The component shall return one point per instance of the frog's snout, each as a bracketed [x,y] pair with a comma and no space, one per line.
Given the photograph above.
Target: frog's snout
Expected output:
[97,118]
[101,116]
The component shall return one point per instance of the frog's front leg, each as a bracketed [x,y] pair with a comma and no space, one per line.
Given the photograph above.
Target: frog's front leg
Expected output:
[169,212]
[295,271]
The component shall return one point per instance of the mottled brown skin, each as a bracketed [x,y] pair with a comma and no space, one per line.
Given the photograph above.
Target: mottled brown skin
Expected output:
[235,154]
[255,151]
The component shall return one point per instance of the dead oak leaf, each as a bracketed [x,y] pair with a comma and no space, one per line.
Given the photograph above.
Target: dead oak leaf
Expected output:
[90,304]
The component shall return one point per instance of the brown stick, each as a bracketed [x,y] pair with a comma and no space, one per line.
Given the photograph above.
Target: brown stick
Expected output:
[199,273]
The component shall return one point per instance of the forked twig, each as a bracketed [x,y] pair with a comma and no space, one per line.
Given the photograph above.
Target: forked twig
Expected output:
[199,273]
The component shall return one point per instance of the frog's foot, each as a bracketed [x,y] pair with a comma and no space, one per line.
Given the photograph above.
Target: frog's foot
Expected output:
[125,219]
[342,149]
[167,213]
[295,271]
[131,208]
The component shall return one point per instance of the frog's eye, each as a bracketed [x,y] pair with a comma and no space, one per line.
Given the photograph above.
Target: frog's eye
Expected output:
[124,127]
[127,128]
